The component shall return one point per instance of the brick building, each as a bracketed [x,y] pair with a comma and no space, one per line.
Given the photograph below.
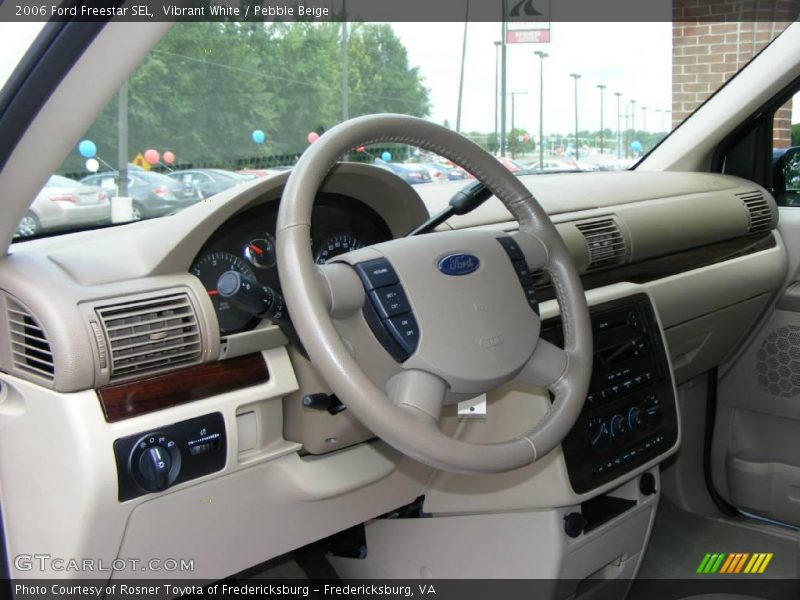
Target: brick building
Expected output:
[713,39]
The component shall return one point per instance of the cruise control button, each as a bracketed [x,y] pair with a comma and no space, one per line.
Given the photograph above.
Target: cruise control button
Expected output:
[524,273]
[511,247]
[390,301]
[376,273]
[404,329]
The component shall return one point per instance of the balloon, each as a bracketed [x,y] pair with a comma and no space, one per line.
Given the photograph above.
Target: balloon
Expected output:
[258,136]
[312,137]
[169,157]
[151,156]
[92,165]
[636,147]
[387,156]
[361,149]
[87,149]
[526,138]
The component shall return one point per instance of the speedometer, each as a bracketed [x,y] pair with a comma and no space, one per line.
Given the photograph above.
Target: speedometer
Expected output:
[208,269]
[338,244]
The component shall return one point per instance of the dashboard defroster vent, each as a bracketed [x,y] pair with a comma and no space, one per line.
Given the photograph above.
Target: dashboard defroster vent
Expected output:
[758,210]
[605,242]
[150,334]
[30,349]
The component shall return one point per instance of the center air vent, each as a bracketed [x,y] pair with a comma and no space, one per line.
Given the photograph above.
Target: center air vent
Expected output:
[30,350]
[150,334]
[758,210]
[605,242]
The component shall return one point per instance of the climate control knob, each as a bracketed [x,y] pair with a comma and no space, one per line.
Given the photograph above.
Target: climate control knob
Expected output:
[617,426]
[599,435]
[634,417]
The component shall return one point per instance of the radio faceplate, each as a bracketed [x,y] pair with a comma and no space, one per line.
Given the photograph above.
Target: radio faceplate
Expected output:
[629,416]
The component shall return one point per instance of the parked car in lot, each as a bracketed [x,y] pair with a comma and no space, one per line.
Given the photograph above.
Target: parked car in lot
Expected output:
[442,172]
[208,182]
[413,174]
[64,203]
[153,194]
[268,172]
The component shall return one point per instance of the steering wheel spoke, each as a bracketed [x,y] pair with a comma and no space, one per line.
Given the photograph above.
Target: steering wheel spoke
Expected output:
[546,366]
[342,289]
[419,394]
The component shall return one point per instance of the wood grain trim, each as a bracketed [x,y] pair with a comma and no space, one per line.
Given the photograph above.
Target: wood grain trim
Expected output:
[133,398]
[671,264]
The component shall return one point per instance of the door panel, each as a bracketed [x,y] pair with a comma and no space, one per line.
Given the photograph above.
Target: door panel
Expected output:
[756,446]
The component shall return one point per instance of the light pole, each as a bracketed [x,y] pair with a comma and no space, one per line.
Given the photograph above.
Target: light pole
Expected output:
[542,56]
[660,113]
[602,89]
[496,88]
[633,119]
[503,80]
[513,110]
[619,140]
[576,76]
[668,112]
[644,119]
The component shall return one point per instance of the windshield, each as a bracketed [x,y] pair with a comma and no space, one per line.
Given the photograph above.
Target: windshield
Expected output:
[213,99]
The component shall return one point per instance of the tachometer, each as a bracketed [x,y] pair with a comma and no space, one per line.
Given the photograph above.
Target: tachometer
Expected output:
[338,244]
[208,269]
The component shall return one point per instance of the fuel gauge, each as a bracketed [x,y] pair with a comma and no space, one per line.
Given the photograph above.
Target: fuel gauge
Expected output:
[260,251]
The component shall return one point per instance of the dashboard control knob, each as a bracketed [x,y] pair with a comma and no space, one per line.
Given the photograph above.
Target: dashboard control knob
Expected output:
[634,417]
[154,466]
[155,462]
[599,435]
[574,524]
[647,484]
[617,426]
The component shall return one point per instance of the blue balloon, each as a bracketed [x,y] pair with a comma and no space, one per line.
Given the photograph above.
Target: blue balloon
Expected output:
[636,147]
[258,136]
[87,149]
[387,156]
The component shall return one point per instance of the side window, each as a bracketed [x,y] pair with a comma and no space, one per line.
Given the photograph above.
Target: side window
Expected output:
[786,153]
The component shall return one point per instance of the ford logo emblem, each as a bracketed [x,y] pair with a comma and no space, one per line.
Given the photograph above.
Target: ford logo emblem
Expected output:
[458,264]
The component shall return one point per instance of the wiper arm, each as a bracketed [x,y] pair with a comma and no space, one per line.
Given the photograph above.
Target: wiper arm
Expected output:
[463,201]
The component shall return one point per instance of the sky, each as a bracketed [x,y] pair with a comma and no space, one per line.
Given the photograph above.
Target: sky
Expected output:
[631,58]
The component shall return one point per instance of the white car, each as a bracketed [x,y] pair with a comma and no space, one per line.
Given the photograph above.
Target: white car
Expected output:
[65,203]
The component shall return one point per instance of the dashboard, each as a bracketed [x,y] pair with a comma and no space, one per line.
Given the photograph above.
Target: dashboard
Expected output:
[246,244]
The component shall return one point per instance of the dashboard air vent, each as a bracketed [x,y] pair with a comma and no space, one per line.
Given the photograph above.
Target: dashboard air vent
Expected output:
[758,210]
[605,242]
[149,334]
[30,350]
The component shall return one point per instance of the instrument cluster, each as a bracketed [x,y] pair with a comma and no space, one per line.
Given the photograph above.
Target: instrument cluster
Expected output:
[246,244]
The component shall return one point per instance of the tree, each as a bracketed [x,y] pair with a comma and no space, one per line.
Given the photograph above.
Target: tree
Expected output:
[207,85]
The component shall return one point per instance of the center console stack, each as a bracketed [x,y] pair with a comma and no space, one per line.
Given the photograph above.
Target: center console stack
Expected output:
[629,416]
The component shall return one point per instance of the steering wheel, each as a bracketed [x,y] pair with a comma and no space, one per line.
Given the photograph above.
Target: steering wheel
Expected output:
[401,328]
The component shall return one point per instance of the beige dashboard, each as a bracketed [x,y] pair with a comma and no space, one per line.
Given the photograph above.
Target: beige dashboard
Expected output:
[702,247]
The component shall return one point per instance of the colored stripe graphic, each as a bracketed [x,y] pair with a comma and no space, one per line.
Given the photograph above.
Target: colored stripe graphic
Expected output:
[740,565]
[735,563]
[728,563]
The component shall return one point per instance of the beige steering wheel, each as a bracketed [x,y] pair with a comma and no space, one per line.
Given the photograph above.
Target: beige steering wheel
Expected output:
[453,303]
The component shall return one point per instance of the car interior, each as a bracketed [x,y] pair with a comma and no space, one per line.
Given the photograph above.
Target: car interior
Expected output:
[586,378]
